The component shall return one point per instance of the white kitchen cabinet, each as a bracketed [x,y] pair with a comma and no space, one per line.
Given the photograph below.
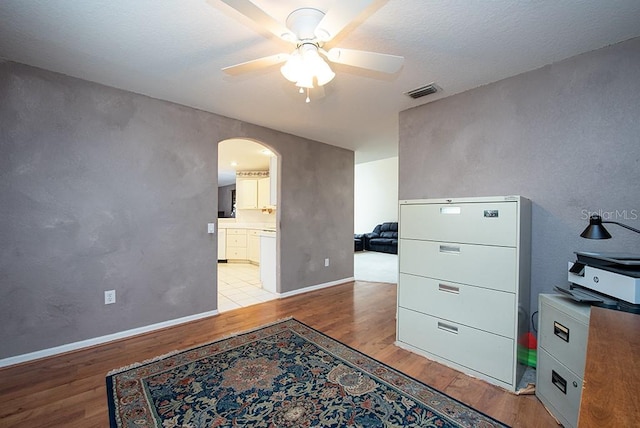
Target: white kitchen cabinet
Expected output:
[463,286]
[264,193]
[222,244]
[236,244]
[246,193]
[253,193]
[242,245]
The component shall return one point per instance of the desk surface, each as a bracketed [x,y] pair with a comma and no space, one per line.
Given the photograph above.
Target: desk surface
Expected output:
[611,386]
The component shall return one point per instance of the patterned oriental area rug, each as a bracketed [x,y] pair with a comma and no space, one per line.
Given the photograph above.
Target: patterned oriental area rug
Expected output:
[285,374]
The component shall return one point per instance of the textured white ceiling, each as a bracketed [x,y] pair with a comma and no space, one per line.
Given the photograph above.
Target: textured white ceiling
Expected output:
[174,50]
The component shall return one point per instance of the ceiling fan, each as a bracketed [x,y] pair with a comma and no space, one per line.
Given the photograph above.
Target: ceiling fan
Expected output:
[309,30]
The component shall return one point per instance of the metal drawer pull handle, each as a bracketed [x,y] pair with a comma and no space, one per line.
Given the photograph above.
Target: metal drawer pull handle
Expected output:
[559,382]
[448,328]
[450,210]
[451,249]
[561,331]
[449,288]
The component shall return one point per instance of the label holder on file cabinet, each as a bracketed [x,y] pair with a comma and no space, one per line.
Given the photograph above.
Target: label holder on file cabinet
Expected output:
[561,331]
[450,210]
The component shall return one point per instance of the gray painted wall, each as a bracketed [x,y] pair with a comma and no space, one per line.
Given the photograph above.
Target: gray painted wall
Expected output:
[567,136]
[104,189]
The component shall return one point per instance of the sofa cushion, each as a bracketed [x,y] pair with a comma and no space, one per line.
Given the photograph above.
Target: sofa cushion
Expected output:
[384,241]
[389,227]
[384,237]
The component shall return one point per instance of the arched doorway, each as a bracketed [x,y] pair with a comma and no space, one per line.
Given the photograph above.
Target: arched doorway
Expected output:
[247,223]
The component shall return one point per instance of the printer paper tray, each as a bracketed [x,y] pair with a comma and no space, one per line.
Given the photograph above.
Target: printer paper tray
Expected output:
[585,296]
[614,259]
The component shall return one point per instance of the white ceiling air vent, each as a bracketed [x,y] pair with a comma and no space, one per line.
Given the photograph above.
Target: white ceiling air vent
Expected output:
[423,91]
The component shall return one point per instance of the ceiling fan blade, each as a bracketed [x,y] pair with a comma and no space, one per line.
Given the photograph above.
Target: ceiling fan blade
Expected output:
[255,64]
[260,17]
[369,60]
[338,17]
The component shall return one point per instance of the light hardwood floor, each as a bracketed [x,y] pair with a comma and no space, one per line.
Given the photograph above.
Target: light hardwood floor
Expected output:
[70,390]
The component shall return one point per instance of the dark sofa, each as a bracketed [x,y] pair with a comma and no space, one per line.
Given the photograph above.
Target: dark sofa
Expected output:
[384,238]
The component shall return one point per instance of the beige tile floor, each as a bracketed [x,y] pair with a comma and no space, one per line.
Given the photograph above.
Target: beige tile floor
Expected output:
[239,285]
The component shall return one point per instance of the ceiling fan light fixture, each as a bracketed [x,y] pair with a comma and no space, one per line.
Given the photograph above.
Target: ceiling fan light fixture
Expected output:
[305,81]
[319,68]
[324,74]
[304,65]
[292,69]
[310,29]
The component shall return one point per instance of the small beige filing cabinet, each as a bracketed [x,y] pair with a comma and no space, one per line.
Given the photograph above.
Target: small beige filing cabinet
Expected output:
[463,284]
[563,329]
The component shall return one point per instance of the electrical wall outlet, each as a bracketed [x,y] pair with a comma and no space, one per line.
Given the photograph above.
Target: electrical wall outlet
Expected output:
[109,297]
[326,262]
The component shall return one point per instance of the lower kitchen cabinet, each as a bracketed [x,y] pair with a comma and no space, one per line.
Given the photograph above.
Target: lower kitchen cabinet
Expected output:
[242,245]
[236,244]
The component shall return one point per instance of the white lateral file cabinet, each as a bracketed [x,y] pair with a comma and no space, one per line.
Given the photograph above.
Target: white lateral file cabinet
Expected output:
[463,285]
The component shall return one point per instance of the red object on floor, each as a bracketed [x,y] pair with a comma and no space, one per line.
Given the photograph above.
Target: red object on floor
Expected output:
[528,340]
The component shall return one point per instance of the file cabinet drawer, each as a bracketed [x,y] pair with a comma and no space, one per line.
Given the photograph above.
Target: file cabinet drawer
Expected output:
[488,223]
[558,388]
[483,266]
[477,350]
[563,330]
[487,310]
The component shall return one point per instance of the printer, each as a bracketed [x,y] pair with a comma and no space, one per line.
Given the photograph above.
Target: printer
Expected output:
[610,280]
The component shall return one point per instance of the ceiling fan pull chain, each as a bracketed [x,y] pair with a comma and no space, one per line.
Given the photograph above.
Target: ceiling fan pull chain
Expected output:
[308,100]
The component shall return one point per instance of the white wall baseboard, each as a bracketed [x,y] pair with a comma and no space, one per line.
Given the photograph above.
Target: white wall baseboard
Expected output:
[315,287]
[140,330]
[100,340]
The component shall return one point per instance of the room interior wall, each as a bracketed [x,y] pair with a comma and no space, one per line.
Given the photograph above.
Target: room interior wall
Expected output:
[105,189]
[224,199]
[376,193]
[564,136]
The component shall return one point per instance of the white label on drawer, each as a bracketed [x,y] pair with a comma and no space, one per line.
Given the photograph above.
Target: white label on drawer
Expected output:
[450,210]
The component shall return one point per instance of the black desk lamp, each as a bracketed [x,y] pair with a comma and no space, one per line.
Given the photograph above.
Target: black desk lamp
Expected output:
[596,230]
